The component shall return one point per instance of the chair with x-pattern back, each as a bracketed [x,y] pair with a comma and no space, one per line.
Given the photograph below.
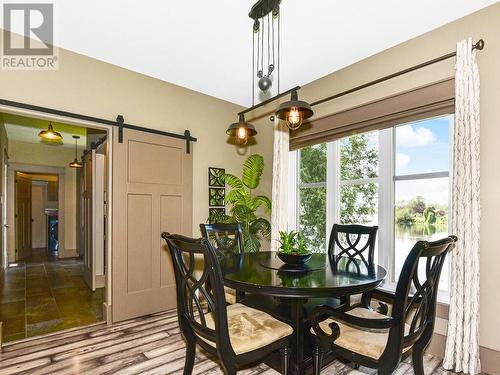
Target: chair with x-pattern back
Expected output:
[227,240]
[238,335]
[381,341]
[354,242]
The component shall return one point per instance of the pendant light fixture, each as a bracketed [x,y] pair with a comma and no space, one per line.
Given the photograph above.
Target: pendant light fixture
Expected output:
[75,163]
[266,27]
[241,130]
[294,111]
[50,134]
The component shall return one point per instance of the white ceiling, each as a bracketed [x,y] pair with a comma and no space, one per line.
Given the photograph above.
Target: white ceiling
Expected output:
[206,45]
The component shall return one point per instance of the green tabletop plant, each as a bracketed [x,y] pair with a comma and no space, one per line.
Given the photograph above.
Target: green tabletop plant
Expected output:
[293,249]
[293,243]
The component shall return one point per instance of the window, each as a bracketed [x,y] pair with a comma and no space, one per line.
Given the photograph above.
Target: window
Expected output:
[396,178]
[359,179]
[312,196]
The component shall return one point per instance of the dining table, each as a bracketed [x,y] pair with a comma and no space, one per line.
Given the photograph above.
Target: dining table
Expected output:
[290,292]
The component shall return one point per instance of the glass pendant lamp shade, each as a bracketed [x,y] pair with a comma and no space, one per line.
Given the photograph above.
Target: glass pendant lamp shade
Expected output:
[50,134]
[294,112]
[75,163]
[241,130]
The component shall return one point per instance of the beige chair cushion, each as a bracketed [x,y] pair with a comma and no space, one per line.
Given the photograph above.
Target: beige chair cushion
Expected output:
[230,295]
[368,342]
[250,329]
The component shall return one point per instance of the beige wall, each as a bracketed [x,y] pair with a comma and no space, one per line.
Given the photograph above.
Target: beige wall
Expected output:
[483,24]
[87,86]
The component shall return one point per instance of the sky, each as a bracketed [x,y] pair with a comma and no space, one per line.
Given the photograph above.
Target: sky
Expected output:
[423,147]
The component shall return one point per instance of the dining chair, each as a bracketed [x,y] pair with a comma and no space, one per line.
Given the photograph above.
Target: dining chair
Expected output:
[227,240]
[369,338]
[236,334]
[356,243]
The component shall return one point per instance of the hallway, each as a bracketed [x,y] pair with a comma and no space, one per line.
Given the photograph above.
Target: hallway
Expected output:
[44,294]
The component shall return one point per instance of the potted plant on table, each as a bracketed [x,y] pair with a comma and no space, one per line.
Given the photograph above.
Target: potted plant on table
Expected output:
[293,249]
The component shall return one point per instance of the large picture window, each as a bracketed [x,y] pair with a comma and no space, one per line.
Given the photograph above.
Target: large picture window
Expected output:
[396,178]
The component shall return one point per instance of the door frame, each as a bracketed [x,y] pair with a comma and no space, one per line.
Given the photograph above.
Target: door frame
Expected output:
[3,219]
[12,169]
[107,317]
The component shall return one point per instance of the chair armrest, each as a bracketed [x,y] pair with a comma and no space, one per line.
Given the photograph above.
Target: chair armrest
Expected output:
[324,312]
[386,296]
[383,297]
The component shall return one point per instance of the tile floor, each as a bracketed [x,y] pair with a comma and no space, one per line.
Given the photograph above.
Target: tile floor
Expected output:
[44,294]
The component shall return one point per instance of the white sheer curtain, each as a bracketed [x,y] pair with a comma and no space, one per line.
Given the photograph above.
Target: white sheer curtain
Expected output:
[462,343]
[279,214]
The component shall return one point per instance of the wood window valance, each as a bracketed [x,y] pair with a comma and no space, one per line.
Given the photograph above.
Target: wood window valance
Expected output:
[427,101]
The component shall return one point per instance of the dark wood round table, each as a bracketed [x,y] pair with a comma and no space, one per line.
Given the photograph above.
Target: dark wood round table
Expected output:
[262,276]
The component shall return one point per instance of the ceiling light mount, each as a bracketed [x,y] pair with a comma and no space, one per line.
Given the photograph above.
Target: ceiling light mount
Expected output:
[263,7]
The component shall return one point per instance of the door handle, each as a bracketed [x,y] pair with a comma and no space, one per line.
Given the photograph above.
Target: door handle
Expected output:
[6,225]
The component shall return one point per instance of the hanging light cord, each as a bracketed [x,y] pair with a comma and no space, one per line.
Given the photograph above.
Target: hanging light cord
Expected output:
[263,27]
[268,43]
[273,37]
[253,65]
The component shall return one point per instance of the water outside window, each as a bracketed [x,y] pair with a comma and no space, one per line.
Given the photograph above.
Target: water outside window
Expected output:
[421,186]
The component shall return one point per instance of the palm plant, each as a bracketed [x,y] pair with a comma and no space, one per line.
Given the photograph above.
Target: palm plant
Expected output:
[244,204]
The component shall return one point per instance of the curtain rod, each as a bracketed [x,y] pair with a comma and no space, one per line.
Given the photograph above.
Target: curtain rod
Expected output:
[479,46]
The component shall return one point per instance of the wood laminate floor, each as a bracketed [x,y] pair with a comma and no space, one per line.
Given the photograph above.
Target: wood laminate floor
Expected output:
[147,345]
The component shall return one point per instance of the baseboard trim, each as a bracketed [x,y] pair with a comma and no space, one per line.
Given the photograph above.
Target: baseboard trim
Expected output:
[107,313]
[490,359]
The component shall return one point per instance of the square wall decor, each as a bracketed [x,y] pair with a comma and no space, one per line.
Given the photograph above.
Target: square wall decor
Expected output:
[216,197]
[216,214]
[216,177]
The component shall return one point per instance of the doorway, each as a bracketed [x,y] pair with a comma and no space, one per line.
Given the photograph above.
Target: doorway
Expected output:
[44,286]
[149,173]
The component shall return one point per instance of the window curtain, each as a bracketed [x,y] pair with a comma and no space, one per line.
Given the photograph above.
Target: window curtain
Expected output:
[279,213]
[462,343]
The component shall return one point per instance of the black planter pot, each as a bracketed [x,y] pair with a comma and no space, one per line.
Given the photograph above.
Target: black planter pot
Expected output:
[294,259]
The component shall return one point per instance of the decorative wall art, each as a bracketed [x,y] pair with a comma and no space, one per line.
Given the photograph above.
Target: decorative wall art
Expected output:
[216,177]
[216,194]
[215,214]
[216,197]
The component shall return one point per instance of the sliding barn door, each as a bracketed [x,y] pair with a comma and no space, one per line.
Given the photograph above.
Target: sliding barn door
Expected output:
[93,206]
[88,256]
[152,193]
